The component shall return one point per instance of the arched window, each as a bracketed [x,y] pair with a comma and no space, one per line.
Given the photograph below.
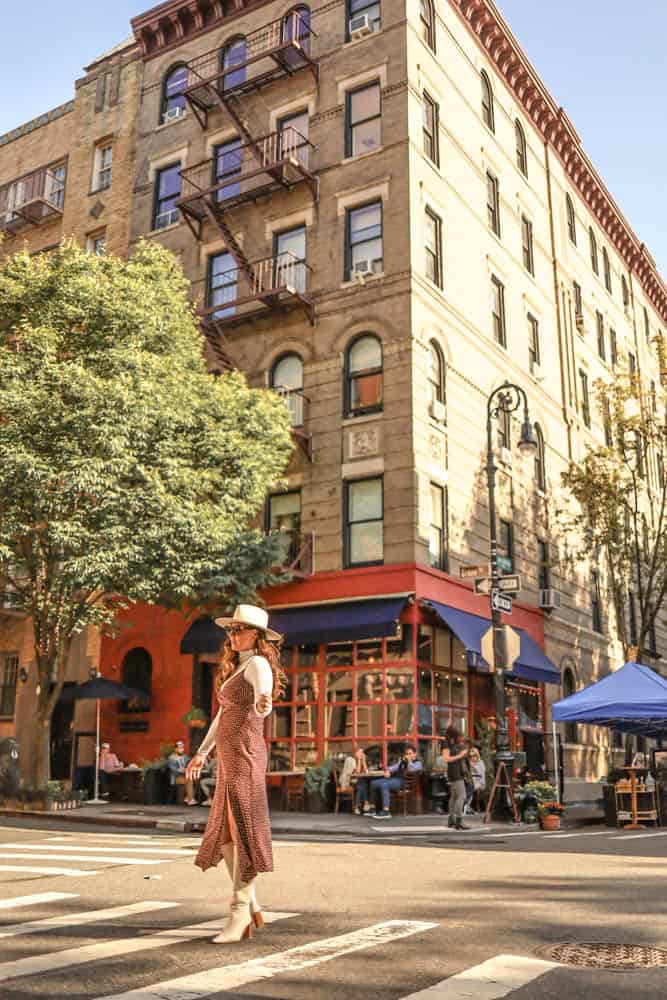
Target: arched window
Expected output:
[363,376]
[436,374]
[625,291]
[173,90]
[488,115]
[287,380]
[606,267]
[594,250]
[521,148]
[137,672]
[571,220]
[296,28]
[427,20]
[540,461]
[233,61]
[569,688]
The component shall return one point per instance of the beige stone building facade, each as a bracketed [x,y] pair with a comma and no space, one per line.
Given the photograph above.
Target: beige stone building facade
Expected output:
[384,216]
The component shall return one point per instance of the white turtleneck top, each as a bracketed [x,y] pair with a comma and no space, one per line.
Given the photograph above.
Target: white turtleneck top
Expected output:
[256,671]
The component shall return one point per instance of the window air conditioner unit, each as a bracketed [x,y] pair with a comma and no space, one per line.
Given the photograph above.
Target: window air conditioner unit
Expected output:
[172,113]
[363,267]
[360,26]
[549,599]
[438,410]
[579,320]
[506,457]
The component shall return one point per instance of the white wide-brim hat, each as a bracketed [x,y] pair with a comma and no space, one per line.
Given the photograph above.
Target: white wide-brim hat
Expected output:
[248,614]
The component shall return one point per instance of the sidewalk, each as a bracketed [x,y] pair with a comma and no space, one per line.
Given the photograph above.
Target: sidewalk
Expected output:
[193,819]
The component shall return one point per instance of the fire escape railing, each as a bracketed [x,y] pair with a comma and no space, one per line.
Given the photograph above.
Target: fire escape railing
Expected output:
[31,200]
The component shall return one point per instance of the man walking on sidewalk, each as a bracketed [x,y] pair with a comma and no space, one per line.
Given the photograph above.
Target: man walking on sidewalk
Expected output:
[454,755]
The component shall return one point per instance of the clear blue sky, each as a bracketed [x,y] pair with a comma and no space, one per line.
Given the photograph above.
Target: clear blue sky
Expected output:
[603,60]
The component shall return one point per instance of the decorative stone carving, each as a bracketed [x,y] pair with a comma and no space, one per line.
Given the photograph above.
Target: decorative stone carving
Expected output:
[364,442]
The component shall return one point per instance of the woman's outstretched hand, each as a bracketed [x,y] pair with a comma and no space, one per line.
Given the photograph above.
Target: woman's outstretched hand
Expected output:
[264,703]
[194,768]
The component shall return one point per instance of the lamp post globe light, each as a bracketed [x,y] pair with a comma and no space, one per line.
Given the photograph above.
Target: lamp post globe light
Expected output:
[505,399]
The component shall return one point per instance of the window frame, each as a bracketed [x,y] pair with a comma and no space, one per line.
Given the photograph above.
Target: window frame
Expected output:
[585,398]
[543,564]
[164,101]
[156,197]
[350,125]
[613,347]
[359,13]
[226,71]
[488,111]
[596,603]
[540,461]
[506,527]
[521,148]
[347,534]
[442,560]
[571,220]
[433,137]
[349,212]
[493,203]
[428,26]
[440,388]
[102,173]
[10,669]
[534,353]
[527,245]
[647,325]
[578,299]
[434,256]
[606,270]
[593,244]
[349,377]
[599,324]
[296,409]
[499,319]
[297,535]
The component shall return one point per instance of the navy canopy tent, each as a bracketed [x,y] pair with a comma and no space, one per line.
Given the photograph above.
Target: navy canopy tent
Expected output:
[631,700]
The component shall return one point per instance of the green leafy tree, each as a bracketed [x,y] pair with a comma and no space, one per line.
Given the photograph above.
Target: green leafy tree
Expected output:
[128,472]
[620,509]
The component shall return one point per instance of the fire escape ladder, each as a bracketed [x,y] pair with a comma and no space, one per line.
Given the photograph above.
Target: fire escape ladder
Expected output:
[218,219]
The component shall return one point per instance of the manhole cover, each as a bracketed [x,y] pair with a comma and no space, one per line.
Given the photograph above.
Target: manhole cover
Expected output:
[609,956]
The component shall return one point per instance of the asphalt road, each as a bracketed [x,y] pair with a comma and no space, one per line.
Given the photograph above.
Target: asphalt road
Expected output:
[373,917]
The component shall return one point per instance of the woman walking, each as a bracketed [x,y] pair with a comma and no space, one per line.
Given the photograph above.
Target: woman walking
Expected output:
[238,828]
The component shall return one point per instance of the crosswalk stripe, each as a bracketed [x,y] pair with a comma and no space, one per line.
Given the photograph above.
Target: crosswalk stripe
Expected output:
[41,870]
[181,852]
[495,978]
[87,917]
[228,977]
[39,964]
[35,899]
[57,855]
[641,836]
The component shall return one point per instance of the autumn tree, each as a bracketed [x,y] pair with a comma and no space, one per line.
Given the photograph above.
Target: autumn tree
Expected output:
[128,472]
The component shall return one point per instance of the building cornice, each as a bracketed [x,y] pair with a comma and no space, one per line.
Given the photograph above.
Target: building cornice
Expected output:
[169,24]
[499,44]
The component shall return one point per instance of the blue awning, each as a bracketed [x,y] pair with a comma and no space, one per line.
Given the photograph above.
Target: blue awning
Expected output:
[367,619]
[203,636]
[532,664]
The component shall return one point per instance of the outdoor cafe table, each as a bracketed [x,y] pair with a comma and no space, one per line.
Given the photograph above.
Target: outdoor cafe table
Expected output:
[126,784]
[284,775]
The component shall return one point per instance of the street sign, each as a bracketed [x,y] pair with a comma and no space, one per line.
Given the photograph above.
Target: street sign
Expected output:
[501,602]
[470,572]
[486,645]
[510,584]
[512,646]
[483,585]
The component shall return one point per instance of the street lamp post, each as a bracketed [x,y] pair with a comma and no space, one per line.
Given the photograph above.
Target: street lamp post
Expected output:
[507,399]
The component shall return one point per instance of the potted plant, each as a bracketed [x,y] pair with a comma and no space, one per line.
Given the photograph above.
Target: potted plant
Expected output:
[550,815]
[318,787]
[195,718]
[532,795]
[156,782]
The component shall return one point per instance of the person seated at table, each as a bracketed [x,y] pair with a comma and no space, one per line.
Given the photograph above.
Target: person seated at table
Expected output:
[109,764]
[394,777]
[358,766]
[478,775]
[208,780]
[177,762]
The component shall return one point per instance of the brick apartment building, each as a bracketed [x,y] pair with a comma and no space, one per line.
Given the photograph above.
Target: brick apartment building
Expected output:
[384,215]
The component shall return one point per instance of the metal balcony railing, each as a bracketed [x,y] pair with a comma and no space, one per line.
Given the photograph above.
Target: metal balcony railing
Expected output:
[272,283]
[243,173]
[279,48]
[31,200]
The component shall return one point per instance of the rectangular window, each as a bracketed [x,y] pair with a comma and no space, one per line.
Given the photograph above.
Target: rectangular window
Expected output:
[503,429]
[533,343]
[606,422]
[493,202]
[97,244]
[56,193]
[653,394]
[358,10]
[527,243]
[10,669]
[364,253]
[222,285]
[613,348]
[596,602]
[578,300]
[437,537]
[433,247]
[600,328]
[283,514]
[289,251]
[294,131]
[632,370]
[585,400]
[543,567]
[102,167]
[498,311]
[364,120]
[227,163]
[167,193]
[505,556]
[647,326]
[430,118]
[364,527]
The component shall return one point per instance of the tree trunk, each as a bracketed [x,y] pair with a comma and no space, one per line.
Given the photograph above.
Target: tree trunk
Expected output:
[36,769]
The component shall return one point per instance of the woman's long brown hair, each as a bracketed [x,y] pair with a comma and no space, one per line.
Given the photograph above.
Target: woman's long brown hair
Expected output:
[229,662]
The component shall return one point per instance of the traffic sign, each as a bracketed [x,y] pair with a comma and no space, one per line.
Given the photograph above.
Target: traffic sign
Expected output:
[483,585]
[510,584]
[511,646]
[470,572]
[501,602]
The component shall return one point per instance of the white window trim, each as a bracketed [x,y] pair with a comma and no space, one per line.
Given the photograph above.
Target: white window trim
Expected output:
[361,195]
[176,155]
[346,83]
[97,165]
[219,138]
[217,246]
[277,224]
[304,103]
[362,468]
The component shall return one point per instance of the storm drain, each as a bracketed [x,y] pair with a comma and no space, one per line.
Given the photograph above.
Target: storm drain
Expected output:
[609,956]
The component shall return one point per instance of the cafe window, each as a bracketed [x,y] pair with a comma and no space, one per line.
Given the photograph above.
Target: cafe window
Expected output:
[137,672]
[363,376]
[364,523]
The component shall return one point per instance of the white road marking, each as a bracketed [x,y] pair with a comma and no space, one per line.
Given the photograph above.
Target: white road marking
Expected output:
[181,852]
[38,964]
[57,855]
[390,828]
[229,977]
[34,899]
[33,870]
[87,917]
[642,836]
[496,978]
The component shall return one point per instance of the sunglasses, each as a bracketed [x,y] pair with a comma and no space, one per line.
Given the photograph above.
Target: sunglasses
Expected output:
[236,629]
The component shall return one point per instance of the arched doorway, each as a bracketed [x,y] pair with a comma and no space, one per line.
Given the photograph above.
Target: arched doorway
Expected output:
[137,672]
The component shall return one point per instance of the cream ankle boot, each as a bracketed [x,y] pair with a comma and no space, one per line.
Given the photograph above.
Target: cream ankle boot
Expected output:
[237,926]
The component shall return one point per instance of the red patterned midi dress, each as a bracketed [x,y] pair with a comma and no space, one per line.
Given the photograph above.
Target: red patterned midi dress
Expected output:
[240,810]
